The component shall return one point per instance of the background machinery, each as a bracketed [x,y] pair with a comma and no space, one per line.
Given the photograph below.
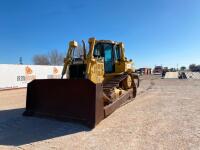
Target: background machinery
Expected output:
[97,83]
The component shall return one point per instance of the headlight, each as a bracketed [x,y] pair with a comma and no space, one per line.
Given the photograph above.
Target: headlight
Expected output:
[128,66]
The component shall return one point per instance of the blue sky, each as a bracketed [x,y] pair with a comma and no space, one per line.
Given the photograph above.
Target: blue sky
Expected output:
[155,32]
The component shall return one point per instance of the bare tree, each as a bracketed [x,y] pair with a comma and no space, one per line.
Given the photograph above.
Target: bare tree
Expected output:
[192,67]
[41,60]
[55,58]
[183,68]
[198,68]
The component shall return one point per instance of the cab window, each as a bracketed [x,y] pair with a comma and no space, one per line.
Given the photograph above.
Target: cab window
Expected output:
[117,52]
[98,50]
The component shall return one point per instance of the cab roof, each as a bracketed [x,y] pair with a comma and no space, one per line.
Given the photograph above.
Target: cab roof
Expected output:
[107,41]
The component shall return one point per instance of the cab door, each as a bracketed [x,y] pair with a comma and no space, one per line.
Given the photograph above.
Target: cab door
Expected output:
[109,65]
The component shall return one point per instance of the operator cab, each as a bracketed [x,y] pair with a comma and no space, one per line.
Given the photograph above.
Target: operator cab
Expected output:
[110,52]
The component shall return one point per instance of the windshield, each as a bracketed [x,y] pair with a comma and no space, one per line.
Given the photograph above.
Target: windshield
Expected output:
[100,48]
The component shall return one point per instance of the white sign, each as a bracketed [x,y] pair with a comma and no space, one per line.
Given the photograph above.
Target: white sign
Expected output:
[17,76]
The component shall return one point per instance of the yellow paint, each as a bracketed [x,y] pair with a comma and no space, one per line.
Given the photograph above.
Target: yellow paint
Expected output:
[95,66]
[96,71]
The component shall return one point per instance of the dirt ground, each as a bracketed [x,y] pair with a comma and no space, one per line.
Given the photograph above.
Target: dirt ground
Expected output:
[165,115]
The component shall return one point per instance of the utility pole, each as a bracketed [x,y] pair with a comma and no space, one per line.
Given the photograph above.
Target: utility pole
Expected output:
[20,61]
[177,67]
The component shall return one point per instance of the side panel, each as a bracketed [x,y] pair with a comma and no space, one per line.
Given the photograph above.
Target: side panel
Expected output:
[97,71]
[123,66]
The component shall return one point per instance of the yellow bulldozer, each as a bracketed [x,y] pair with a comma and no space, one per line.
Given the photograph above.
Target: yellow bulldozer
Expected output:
[93,84]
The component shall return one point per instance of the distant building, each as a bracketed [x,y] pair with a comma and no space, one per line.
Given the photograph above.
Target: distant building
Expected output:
[146,71]
[158,70]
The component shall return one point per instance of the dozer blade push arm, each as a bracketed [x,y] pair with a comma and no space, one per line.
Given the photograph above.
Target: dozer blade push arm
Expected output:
[68,59]
[84,50]
[64,67]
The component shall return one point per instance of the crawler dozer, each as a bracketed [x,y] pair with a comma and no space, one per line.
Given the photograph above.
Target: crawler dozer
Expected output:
[93,84]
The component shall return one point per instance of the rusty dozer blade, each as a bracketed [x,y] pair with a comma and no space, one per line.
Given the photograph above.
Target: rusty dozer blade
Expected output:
[71,99]
[66,99]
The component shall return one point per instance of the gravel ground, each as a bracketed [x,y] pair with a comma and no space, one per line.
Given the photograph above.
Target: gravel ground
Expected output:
[165,115]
